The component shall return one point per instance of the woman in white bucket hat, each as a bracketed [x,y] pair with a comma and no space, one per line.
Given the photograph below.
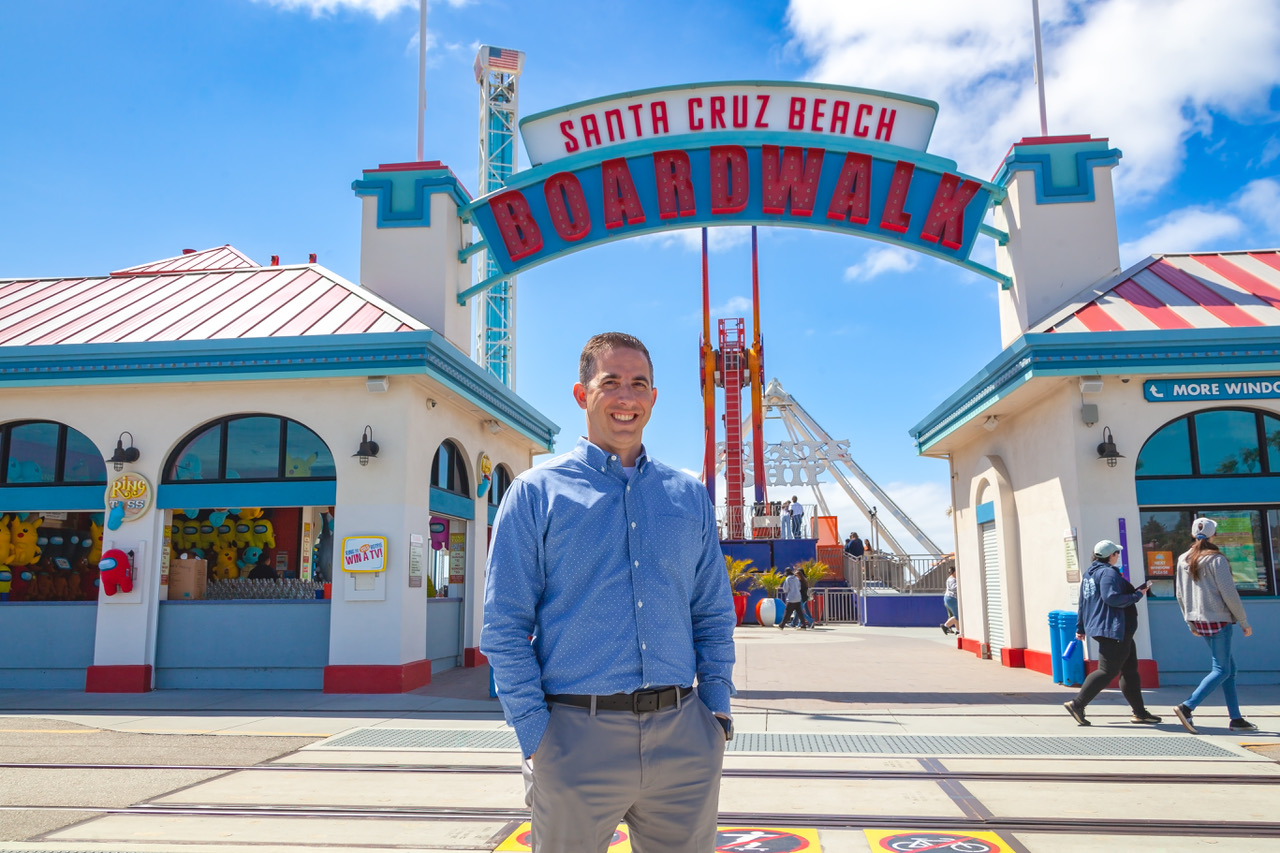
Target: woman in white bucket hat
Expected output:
[1212,608]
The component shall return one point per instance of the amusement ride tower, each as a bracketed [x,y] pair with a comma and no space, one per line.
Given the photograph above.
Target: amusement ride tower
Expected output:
[498,73]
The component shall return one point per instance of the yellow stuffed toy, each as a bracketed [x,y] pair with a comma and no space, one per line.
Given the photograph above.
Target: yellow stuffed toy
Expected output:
[262,534]
[250,513]
[225,534]
[184,539]
[297,466]
[206,538]
[225,567]
[23,541]
[95,548]
[5,550]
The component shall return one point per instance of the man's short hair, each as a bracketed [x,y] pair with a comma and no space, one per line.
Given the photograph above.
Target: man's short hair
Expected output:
[607,341]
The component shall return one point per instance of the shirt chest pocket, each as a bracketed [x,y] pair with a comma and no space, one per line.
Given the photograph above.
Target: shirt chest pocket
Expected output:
[676,544]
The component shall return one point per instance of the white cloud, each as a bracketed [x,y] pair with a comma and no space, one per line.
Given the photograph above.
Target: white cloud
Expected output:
[719,239]
[1184,230]
[1145,73]
[1271,150]
[924,503]
[1204,227]
[735,306]
[1260,200]
[378,8]
[877,262]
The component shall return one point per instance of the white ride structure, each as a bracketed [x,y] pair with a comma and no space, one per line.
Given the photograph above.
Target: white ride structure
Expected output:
[498,74]
[810,452]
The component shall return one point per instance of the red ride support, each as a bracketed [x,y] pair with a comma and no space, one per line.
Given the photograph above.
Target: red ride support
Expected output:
[732,367]
[755,362]
[708,382]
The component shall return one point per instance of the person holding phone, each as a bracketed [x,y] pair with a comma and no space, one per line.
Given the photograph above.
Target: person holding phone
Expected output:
[1108,612]
[1212,607]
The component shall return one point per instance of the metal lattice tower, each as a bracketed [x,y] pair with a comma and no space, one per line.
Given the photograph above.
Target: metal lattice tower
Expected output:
[498,73]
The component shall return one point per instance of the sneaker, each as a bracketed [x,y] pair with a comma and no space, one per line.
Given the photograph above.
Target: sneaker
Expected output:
[1183,713]
[1145,716]
[944,628]
[1240,724]
[1077,714]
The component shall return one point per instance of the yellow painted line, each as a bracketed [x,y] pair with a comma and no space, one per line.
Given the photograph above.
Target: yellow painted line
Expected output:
[223,732]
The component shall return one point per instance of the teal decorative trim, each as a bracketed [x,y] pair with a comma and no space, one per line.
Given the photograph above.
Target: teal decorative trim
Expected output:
[1206,491]
[475,248]
[53,498]
[1001,237]
[423,186]
[493,513]
[447,503]
[279,493]
[384,353]
[1063,171]
[986,512]
[1154,352]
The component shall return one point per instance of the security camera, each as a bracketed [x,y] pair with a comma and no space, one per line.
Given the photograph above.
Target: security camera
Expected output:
[1124,379]
[431,404]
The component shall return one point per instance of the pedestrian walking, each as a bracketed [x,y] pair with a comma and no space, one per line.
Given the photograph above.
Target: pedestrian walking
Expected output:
[605,596]
[1108,612]
[949,601]
[791,595]
[1212,608]
[803,617]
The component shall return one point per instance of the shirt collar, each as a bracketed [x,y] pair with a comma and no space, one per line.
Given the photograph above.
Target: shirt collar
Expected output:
[600,460]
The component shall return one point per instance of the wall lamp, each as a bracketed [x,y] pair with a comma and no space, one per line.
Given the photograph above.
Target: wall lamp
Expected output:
[124,454]
[368,447]
[1107,449]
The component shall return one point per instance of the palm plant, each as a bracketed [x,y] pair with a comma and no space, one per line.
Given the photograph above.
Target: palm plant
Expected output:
[742,578]
[814,571]
[771,581]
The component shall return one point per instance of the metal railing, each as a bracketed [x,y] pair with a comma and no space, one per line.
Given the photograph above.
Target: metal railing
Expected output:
[762,520]
[834,604]
[909,575]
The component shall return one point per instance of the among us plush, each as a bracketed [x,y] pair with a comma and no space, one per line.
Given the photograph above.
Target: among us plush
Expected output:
[113,569]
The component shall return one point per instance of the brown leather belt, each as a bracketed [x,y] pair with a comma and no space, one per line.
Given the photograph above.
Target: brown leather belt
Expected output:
[640,702]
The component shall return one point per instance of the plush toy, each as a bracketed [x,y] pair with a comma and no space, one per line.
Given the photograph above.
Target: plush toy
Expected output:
[114,571]
[95,532]
[225,535]
[6,582]
[87,578]
[322,551]
[249,559]
[5,550]
[250,513]
[25,472]
[262,534]
[206,538]
[241,532]
[186,535]
[296,466]
[22,541]
[61,588]
[188,468]
[486,470]
[226,566]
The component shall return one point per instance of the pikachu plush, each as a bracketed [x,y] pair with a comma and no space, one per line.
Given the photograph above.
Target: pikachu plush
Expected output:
[22,540]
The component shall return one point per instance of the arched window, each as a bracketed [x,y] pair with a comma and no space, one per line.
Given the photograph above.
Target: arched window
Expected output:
[36,453]
[1213,443]
[250,448]
[501,482]
[448,471]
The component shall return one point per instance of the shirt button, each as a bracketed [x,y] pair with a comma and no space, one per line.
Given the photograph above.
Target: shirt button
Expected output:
[637,562]
[633,524]
[639,604]
[614,458]
[642,648]
[628,488]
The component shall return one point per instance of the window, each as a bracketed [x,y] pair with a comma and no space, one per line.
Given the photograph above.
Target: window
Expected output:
[251,448]
[37,453]
[1240,539]
[447,470]
[1213,443]
[501,482]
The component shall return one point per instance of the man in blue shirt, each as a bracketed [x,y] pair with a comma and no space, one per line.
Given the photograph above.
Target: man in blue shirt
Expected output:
[605,596]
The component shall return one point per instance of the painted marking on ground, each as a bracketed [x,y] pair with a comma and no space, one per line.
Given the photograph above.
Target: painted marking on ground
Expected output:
[919,841]
[729,839]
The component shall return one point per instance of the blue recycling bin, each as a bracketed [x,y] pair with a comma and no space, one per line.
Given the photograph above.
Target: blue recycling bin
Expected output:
[493,688]
[1067,670]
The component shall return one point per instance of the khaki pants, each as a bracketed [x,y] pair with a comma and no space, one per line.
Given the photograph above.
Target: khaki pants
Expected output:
[659,772]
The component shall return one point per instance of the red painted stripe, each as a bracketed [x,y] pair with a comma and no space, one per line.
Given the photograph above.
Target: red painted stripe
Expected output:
[111,305]
[172,303]
[1271,259]
[222,309]
[1267,292]
[1097,320]
[374,678]
[361,320]
[404,327]
[35,297]
[1202,294]
[408,167]
[314,286]
[56,309]
[1054,140]
[1149,306]
[313,312]
[107,288]
[120,678]
[16,286]
[265,307]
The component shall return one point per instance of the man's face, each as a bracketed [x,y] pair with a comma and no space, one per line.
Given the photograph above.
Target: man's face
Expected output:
[618,401]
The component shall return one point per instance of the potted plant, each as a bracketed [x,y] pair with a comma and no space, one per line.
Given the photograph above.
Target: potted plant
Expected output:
[814,571]
[742,579]
[769,609]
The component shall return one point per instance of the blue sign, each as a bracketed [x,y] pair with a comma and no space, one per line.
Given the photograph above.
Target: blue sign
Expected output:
[1200,389]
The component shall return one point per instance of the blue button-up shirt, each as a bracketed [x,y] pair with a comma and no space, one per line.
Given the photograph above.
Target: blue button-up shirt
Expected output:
[620,583]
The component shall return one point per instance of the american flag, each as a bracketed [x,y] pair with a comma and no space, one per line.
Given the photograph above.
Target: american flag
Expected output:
[501,59]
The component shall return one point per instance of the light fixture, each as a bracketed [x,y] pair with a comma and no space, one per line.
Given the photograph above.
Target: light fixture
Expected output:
[991,422]
[368,447]
[377,384]
[1107,449]
[124,454]
[494,426]
[1090,384]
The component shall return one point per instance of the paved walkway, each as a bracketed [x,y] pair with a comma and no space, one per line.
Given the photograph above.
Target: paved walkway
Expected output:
[844,728]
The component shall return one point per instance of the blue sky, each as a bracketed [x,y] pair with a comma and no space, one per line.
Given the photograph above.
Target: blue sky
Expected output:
[136,129]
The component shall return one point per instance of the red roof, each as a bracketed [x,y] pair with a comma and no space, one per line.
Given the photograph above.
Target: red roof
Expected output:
[1198,290]
[216,293]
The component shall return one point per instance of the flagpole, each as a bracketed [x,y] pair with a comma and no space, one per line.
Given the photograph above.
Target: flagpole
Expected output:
[1035,18]
[421,77]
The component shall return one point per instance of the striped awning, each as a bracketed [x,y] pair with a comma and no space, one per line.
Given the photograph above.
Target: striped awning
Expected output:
[1187,291]
[190,297]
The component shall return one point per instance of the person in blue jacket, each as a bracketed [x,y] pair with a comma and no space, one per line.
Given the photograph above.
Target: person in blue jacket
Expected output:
[1108,612]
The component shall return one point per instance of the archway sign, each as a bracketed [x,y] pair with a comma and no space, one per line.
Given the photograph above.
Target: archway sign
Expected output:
[749,153]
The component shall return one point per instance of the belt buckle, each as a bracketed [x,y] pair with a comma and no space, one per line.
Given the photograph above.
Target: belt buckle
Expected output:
[643,703]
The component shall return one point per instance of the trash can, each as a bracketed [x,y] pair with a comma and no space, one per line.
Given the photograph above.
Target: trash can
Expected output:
[1069,670]
[493,688]
[1055,645]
